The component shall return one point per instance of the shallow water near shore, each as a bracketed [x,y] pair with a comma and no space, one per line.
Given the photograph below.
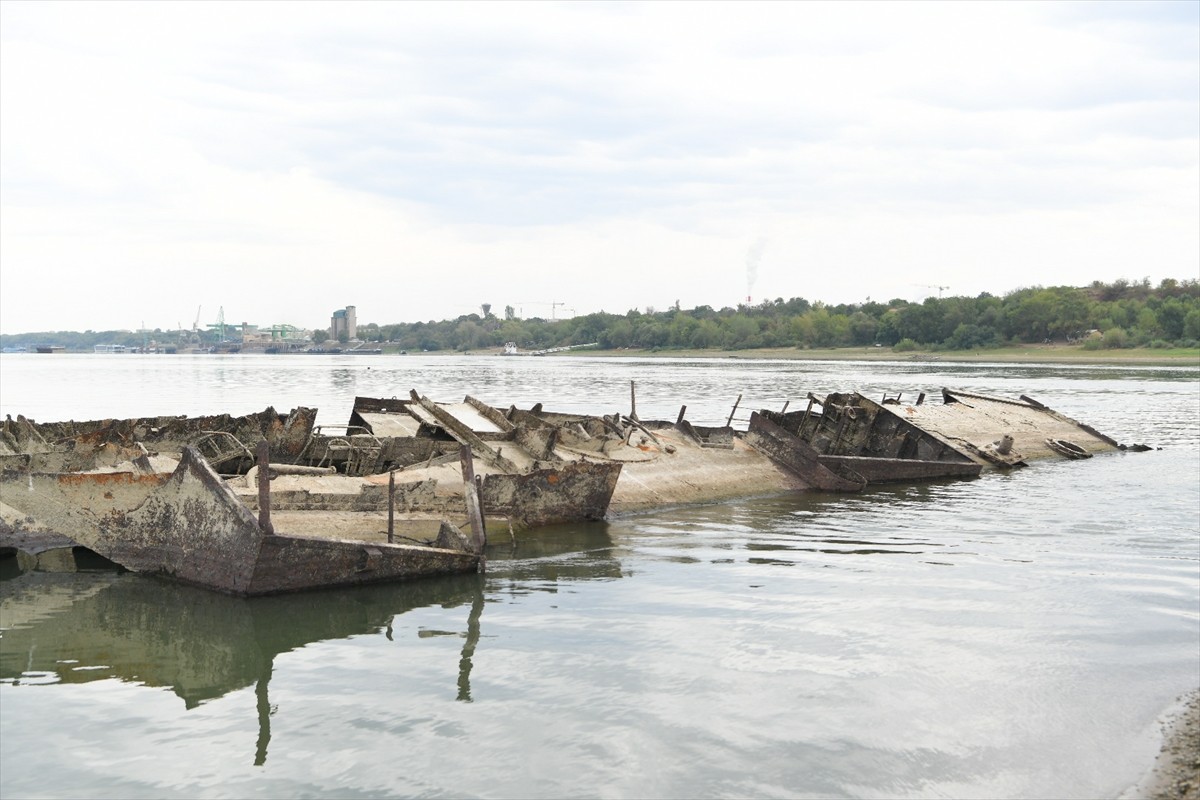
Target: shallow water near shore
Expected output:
[1011,636]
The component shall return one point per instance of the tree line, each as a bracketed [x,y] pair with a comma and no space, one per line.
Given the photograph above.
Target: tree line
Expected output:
[1103,315]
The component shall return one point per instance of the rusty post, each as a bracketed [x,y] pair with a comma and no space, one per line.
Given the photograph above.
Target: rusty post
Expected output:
[471,495]
[391,507]
[632,401]
[682,411]
[807,414]
[264,488]
[733,411]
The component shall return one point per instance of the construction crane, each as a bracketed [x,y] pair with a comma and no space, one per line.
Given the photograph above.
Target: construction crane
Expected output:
[939,288]
[554,304]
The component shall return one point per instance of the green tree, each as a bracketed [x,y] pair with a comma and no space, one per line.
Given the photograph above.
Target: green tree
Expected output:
[618,336]
[1170,317]
[1115,338]
[1191,325]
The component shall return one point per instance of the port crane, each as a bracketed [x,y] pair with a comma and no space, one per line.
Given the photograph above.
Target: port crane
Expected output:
[193,336]
[219,325]
[281,331]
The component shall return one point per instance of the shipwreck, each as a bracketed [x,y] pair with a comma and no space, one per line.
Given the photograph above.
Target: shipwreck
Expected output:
[408,487]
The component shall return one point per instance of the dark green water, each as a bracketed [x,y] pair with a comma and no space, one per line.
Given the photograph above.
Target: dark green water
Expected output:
[1012,636]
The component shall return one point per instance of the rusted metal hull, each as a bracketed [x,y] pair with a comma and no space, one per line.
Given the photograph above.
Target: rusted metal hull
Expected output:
[524,476]
[866,442]
[404,468]
[898,470]
[191,527]
[797,456]
[570,492]
[225,441]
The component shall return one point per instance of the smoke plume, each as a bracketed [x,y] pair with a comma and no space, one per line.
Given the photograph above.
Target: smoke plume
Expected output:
[753,256]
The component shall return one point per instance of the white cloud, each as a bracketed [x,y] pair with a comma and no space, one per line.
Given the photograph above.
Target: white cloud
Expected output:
[281,160]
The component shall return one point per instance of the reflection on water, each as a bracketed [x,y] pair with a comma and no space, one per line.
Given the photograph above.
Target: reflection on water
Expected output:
[1014,635]
[80,628]
[74,628]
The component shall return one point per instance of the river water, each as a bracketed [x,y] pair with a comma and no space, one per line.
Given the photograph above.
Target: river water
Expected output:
[1011,636]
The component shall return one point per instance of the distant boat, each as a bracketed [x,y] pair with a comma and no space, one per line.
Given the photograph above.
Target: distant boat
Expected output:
[50,348]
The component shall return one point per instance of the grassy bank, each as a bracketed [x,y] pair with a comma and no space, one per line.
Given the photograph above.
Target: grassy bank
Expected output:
[1054,353]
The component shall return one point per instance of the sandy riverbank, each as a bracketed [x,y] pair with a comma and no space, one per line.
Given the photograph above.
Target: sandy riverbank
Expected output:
[1176,772]
[1065,354]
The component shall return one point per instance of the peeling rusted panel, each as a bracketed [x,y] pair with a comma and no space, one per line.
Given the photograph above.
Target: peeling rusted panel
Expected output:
[538,441]
[420,496]
[893,470]
[193,528]
[287,433]
[70,457]
[566,493]
[290,564]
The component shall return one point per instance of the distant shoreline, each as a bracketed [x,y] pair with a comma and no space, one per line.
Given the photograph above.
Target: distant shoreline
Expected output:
[1028,354]
[1050,354]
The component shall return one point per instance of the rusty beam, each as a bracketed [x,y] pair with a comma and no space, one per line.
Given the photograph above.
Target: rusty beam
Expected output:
[464,435]
[264,488]
[471,495]
[733,411]
[490,414]
[391,507]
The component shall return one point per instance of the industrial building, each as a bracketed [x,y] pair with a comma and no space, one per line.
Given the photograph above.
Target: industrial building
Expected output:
[343,321]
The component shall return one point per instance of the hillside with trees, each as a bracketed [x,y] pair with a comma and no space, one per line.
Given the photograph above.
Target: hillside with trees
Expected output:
[1122,314]
[1117,315]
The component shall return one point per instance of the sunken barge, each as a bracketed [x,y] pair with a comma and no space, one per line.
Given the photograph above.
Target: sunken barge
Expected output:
[269,502]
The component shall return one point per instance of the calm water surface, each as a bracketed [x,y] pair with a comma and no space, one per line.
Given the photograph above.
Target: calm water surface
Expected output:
[1012,636]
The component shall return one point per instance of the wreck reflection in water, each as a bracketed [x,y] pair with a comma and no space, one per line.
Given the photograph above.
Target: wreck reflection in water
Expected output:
[89,627]
[74,628]
[1012,636]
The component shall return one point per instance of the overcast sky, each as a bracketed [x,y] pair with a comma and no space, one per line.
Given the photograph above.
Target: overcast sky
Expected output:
[281,160]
